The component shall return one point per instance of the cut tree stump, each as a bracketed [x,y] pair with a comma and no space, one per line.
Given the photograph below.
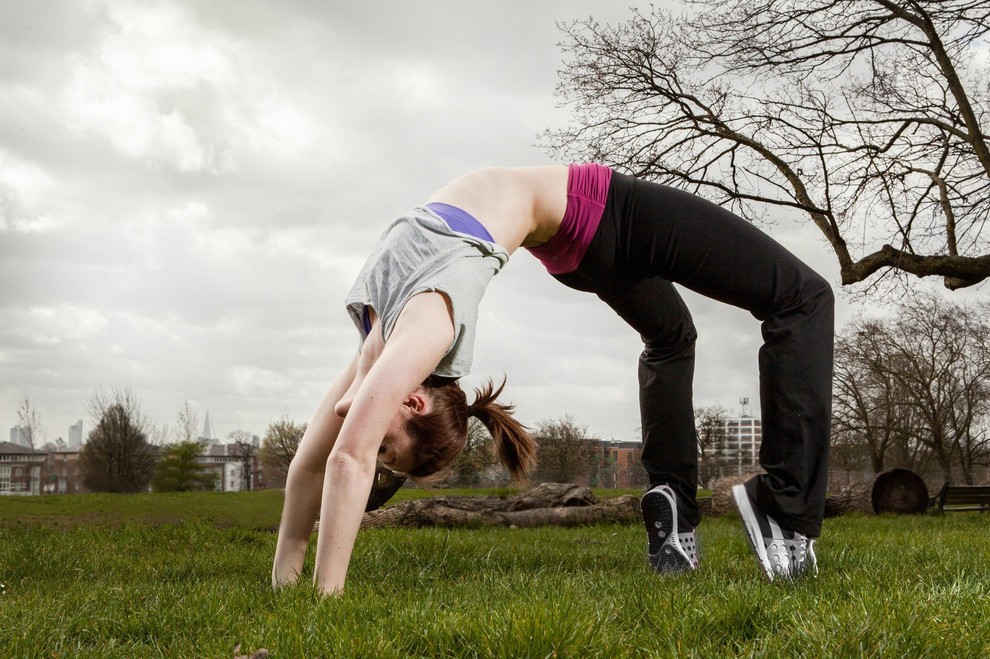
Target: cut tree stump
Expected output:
[549,504]
[901,492]
[897,491]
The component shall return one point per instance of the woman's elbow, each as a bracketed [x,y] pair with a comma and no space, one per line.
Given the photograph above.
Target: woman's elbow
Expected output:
[344,461]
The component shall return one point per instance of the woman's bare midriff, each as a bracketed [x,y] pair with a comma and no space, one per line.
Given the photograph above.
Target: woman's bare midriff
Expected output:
[520,207]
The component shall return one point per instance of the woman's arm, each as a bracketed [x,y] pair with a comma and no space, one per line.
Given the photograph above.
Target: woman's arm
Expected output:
[422,335]
[304,484]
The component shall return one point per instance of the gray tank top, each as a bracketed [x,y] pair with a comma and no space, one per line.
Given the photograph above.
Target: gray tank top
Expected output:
[419,252]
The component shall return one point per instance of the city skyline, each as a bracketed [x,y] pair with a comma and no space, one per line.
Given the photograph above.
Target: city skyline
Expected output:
[77,435]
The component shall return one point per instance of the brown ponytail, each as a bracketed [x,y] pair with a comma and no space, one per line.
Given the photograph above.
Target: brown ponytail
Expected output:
[514,447]
[440,434]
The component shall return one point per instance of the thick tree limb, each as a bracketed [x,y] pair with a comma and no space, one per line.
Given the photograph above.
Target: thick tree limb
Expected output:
[958,271]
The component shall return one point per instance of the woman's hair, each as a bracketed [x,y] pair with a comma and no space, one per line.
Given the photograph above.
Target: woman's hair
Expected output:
[439,435]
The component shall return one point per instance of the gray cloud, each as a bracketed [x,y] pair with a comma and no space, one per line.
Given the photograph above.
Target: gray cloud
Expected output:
[187,190]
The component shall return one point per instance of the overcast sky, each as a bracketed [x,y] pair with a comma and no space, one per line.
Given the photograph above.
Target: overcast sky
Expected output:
[188,189]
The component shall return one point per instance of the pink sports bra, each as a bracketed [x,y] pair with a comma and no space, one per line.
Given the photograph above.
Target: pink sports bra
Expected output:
[587,190]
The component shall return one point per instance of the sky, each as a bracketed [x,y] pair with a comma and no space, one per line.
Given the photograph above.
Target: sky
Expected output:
[188,189]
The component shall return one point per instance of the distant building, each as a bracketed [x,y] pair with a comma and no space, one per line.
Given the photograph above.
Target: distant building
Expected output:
[743,437]
[76,435]
[209,433]
[20,469]
[229,468]
[62,474]
[26,471]
[620,466]
[21,435]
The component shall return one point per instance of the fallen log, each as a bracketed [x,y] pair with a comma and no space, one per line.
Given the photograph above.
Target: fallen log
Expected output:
[722,502]
[549,504]
[853,498]
[566,504]
[897,491]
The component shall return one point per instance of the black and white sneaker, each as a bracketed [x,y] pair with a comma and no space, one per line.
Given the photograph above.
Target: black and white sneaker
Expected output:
[781,552]
[670,549]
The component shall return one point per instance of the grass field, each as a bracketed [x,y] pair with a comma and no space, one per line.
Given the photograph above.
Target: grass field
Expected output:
[188,576]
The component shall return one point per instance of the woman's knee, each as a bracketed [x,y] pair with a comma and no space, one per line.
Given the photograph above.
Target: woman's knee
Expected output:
[677,342]
[818,291]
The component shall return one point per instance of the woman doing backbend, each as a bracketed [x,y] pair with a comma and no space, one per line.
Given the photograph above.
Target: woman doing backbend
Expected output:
[627,241]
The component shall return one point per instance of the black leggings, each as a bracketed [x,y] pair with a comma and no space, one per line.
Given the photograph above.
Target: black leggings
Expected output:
[651,236]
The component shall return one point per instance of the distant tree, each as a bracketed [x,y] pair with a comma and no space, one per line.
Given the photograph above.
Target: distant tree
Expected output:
[179,469]
[848,452]
[278,447]
[243,448]
[874,417]
[117,456]
[29,419]
[186,424]
[158,434]
[866,116]
[915,389]
[941,357]
[712,457]
[565,451]
[58,445]
[475,462]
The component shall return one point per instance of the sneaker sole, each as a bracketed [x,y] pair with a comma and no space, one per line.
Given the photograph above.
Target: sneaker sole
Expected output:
[752,527]
[664,549]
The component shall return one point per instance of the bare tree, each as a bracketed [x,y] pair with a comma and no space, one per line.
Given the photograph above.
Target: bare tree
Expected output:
[864,115]
[158,434]
[873,415]
[712,456]
[938,361]
[278,447]
[244,449]
[186,423]
[913,390]
[971,414]
[475,461]
[117,456]
[565,451]
[29,419]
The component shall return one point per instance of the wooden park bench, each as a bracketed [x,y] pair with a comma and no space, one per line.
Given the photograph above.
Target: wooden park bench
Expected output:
[960,498]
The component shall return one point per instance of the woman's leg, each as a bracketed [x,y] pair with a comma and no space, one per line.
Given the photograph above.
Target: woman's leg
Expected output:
[666,382]
[672,234]
[304,485]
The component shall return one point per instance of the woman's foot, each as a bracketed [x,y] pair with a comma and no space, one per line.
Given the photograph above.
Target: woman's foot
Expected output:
[672,546]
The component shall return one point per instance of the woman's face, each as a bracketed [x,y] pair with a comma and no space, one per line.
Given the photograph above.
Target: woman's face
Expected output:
[396,451]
